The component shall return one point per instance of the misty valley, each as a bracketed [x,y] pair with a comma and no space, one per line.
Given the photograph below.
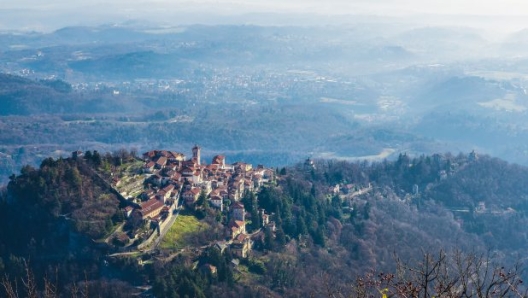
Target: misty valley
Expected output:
[257,92]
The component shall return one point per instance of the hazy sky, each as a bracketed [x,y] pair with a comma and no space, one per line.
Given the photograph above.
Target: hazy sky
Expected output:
[38,14]
[504,7]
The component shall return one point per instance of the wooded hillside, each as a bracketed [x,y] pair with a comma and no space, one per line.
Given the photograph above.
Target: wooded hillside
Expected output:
[380,217]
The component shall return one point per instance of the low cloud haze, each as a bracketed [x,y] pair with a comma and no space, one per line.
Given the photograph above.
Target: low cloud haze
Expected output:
[44,16]
[391,7]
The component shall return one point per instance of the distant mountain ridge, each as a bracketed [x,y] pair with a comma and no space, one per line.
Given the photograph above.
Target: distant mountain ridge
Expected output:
[20,96]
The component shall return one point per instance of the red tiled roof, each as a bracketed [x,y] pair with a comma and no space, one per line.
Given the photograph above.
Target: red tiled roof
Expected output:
[150,206]
[218,159]
[216,198]
[241,237]
[236,224]
[168,188]
[175,155]
[149,154]
[162,160]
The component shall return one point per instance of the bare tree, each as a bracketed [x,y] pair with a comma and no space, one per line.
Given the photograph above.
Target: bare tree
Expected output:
[11,290]
[444,274]
[28,282]
[50,289]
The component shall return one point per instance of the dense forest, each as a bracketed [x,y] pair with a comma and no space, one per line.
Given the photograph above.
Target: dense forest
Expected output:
[341,228]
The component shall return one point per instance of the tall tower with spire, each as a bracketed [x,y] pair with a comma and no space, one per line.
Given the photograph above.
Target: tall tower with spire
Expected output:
[196,153]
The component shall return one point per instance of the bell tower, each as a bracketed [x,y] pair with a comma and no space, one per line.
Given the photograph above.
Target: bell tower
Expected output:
[196,154]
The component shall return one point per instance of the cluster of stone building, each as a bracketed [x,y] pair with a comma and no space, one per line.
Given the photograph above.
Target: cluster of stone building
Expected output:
[173,179]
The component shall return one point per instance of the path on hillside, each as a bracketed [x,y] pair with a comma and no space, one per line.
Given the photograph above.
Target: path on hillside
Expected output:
[120,254]
[119,229]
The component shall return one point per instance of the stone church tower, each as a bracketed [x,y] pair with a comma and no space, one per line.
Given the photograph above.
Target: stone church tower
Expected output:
[196,154]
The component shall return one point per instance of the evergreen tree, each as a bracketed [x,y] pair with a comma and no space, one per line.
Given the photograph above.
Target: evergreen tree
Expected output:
[301,226]
[269,244]
[202,201]
[283,171]
[256,222]
[88,155]
[318,236]
[366,211]
[96,159]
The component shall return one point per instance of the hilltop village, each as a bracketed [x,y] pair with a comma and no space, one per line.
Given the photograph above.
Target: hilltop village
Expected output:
[152,219]
[173,182]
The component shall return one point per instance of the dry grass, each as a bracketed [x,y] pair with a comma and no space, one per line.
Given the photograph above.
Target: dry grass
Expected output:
[184,227]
